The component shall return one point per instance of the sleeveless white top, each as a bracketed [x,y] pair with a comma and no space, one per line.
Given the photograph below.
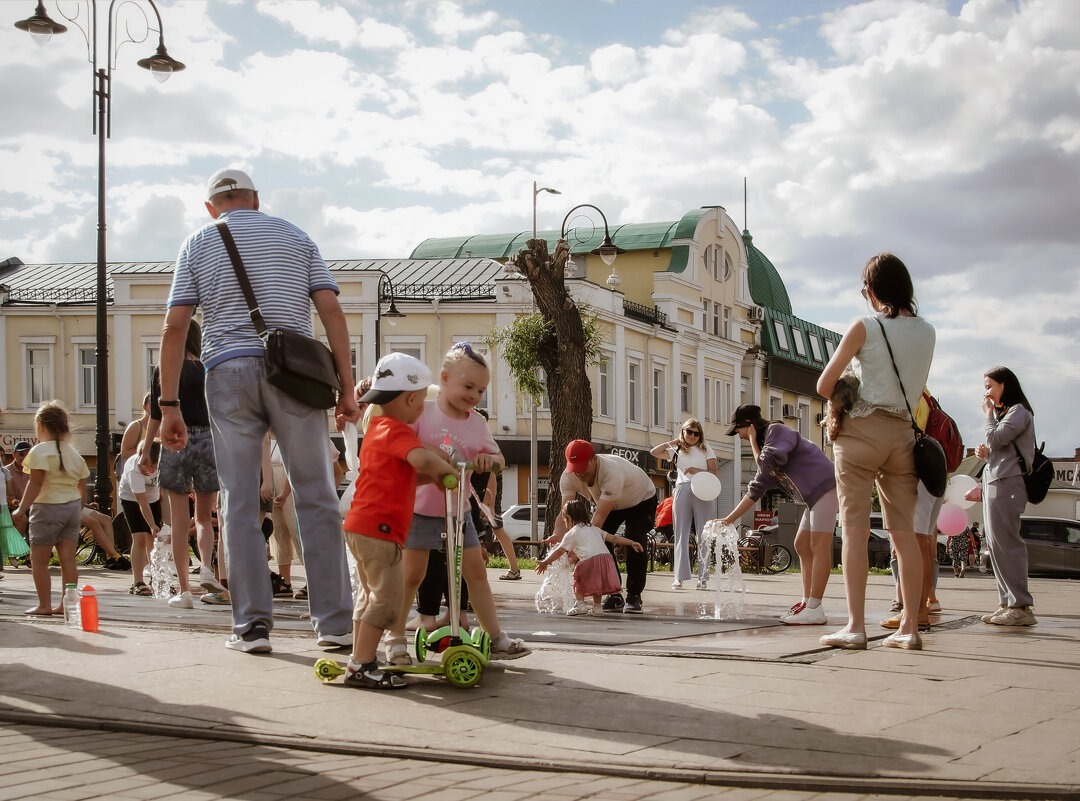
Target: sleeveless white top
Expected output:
[912,340]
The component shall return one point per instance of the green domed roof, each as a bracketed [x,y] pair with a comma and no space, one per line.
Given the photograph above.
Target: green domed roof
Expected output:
[766,287]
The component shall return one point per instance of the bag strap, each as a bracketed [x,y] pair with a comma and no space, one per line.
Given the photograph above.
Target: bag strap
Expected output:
[903,392]
[241,277]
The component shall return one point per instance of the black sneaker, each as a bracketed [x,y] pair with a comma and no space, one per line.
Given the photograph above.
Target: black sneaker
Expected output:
[255,640]
[613,603]
[633,605]
[371,677]
[117,563]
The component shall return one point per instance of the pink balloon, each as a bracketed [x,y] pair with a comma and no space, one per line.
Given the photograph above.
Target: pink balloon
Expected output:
[952,519]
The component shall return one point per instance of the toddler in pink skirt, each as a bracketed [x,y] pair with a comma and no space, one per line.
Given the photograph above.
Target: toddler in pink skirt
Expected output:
[595,572]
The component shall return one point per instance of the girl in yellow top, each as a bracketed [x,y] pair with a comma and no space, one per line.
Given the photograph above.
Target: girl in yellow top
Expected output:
[54,497]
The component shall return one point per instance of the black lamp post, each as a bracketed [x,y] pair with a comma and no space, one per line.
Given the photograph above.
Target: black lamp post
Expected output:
[41,28]
[607,251]
[391,313]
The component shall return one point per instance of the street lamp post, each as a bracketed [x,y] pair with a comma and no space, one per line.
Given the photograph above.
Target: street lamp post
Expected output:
[534,457]
[391,314]
[41,28]
[607,250]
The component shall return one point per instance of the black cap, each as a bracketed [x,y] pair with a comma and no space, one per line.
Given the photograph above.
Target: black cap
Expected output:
[20,446]
[743,415]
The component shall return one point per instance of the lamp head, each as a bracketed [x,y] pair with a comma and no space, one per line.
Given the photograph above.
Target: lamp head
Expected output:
[607,250]
[40,26]
[161,64]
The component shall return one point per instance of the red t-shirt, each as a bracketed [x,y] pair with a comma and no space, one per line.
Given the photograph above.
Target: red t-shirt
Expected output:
[382,505]
[663,512]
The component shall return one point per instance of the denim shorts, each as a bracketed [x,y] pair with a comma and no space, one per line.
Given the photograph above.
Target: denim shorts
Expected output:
[426,533]
[193,468]
[52,522]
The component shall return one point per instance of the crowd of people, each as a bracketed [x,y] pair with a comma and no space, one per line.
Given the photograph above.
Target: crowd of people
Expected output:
[217,437]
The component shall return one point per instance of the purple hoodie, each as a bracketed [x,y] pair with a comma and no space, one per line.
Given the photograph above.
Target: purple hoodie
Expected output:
[801,460]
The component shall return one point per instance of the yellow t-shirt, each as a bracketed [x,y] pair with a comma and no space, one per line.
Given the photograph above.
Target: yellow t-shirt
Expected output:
[60,486]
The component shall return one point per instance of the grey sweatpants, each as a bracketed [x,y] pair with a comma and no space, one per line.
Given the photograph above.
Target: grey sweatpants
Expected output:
[1004,501]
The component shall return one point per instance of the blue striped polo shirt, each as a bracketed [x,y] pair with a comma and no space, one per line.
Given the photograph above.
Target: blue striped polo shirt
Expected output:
[283,265]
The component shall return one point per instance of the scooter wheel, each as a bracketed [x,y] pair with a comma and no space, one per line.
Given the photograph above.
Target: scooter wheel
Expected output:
[420,644]
[327,670]
[462,667]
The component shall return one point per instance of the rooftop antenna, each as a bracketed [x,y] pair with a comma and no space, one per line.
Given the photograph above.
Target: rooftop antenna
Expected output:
[744,225]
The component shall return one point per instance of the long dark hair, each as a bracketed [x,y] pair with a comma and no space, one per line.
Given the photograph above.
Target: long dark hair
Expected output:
[761,425]
[890,282]
[1011,391]
[193,345]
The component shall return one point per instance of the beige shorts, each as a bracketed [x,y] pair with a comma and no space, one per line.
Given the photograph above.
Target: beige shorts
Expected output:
[879,447]
[382,580]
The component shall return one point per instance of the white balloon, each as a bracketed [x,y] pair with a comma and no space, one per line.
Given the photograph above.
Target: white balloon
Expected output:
[959,486]
[706,486]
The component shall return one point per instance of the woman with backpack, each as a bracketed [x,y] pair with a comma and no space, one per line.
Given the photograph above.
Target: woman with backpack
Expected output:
[1010,437]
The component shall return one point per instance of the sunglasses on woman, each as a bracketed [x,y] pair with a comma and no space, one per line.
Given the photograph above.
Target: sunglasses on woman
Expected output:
[689,431]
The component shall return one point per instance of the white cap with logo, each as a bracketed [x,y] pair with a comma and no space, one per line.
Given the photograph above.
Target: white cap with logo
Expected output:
[396,373]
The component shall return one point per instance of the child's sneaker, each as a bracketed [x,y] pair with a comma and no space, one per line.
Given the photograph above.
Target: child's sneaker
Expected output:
[217,598]
[370,676]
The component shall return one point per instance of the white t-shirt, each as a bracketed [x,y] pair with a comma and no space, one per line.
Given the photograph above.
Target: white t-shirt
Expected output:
[694,457]
[132,482]
[585,541]
[616,480]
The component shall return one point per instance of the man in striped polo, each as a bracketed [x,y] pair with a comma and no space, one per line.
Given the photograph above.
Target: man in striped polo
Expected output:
[287,275]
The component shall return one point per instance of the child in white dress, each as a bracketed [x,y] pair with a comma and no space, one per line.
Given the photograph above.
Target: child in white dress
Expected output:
[594,573]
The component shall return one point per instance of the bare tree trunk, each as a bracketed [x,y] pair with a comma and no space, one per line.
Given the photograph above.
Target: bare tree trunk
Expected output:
[563,360]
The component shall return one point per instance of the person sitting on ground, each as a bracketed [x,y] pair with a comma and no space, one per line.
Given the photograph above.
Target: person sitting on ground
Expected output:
[595,573]
[392,462]
[102,527]
[140,498]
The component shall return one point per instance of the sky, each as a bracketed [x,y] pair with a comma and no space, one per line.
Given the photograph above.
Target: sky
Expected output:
[947,132]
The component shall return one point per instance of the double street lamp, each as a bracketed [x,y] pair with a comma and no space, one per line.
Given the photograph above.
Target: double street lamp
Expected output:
[41,29]
[392,313]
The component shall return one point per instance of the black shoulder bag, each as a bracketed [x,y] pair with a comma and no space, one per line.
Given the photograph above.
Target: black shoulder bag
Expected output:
[299,366]
[1037,480]
[929,455]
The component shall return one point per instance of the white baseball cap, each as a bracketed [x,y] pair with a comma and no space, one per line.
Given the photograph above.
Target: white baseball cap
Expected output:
[396,373]
[228,180]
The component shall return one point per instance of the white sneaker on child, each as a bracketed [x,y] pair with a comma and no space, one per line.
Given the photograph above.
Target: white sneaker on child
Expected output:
[184,600]
[578,609]
[807,617]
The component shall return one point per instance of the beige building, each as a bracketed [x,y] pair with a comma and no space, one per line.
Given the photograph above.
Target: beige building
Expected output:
[696,321]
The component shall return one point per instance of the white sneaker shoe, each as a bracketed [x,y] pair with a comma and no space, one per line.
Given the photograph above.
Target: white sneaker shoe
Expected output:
[182,601]
[676,585]
[335,640]
[806,617]
[578,609]
[208,582]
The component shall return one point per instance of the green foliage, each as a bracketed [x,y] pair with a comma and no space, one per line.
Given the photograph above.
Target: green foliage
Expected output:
[522,341]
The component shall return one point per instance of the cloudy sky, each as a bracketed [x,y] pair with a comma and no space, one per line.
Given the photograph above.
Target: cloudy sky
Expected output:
[945,131]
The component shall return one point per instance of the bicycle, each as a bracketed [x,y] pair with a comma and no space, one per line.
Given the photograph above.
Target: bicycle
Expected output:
[759,555]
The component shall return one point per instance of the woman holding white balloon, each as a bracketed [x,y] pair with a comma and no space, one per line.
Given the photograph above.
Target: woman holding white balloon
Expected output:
[798,468]
[694,457]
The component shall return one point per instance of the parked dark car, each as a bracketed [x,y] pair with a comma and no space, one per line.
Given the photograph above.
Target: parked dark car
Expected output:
[877,547]
[1053,547]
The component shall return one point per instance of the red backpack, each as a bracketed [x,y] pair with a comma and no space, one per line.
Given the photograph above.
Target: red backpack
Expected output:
[943,428]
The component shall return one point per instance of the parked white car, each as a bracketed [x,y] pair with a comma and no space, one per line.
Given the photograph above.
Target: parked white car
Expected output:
[517,523]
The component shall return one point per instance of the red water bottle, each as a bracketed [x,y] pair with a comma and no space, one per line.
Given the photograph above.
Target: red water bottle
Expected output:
[88,609]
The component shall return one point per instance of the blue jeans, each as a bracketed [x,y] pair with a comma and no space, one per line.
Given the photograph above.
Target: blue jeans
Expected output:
[243,406]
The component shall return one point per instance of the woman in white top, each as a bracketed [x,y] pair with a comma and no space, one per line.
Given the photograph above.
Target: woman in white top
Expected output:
[694,456]
[876,441]
[140,499]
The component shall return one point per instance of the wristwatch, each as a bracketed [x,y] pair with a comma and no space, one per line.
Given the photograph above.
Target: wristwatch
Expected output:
[168,403]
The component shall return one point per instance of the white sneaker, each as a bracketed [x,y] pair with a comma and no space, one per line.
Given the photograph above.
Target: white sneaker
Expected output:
[676,585]
[208,582]
[578,609]
[806,617]
[182,601]
[336,640]
[795,607]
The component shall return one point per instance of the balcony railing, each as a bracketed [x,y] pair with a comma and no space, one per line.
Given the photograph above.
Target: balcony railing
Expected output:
[648,314]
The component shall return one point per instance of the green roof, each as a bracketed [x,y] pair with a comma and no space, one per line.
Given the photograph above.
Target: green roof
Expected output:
[786,336]
[766,287]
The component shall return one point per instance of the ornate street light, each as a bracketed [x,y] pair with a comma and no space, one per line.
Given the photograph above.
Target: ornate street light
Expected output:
[392,313]
[41,28]
[607,250]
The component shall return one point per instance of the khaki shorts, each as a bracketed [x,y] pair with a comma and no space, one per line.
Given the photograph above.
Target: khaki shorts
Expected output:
[52,522]
[879,447]
[382,580]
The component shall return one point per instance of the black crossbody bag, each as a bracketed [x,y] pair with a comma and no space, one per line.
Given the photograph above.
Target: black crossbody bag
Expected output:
[929,455]
[299,366]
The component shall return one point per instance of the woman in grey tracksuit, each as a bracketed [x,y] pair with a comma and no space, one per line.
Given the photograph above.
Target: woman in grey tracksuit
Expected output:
[1010,427]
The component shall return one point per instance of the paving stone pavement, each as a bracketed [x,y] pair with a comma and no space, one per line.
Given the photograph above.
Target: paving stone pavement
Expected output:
[669,704]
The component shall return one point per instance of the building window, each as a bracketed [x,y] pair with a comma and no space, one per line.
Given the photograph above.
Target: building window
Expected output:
[151,359]
[717,316]
[414,346]
[717,263]
[633,392]
[86,378]
[39,378]
[804,420]
[728,408]
[605,387]
[775,407]
[815,346]
[658,416]
[729,268]
[356,358]
[685,393]
[545,400]
[797,341]
[705,400]
[725,323]
[830,347]
[781,334]
[705,318]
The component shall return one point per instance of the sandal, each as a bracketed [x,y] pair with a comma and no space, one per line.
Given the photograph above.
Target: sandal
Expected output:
[371,677]
[510,649]
[140,588]
[396,652]
[511,575]
[301,594]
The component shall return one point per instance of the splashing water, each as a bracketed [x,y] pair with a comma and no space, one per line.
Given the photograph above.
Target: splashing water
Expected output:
[556,593]
[723,541]
[160,560]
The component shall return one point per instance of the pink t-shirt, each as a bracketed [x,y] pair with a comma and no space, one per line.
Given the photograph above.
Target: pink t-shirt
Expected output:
[463,439]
